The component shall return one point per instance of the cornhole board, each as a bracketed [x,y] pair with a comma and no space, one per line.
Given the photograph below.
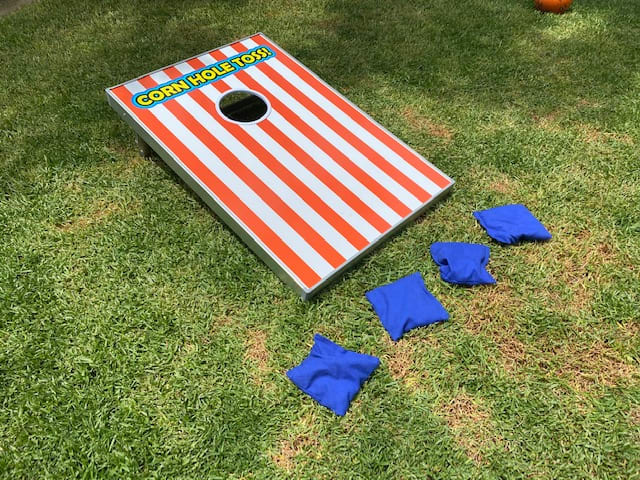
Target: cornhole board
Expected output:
[311,186]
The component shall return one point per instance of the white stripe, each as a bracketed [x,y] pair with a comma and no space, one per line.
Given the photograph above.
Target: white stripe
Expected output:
[135,87]
[248,197]
[392,157]
[325,130]
[353,184]
[277,186]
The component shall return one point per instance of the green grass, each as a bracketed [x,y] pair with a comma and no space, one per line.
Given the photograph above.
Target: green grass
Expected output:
[139,338]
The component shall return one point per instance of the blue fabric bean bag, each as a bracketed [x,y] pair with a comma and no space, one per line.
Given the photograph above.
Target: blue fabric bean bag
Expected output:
[511,224]
[462,263]
[405,304]
[331,375]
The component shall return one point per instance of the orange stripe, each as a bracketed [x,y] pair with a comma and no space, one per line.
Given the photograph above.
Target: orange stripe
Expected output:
[313,200]
[404,152]
[334,184]
[340,158]
[373,156]
[229,199]
[312,237]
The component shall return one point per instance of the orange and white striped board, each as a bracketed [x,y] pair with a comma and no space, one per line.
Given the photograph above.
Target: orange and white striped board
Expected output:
[311,185]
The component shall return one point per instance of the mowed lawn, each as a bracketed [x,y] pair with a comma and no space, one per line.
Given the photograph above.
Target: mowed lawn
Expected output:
[139,337]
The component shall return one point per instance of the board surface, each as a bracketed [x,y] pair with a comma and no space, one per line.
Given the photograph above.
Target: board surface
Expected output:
[311,186]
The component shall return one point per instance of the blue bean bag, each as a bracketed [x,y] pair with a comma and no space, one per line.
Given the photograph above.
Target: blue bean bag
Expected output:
[462,263]
[405,304]
[511,224]
[331,375]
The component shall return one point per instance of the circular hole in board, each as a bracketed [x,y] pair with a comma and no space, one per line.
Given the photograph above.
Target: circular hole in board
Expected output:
[243,106]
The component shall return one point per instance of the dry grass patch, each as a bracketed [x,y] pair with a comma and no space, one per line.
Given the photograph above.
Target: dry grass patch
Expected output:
[498,181]
[492,312]
[575,262]
[419,122]
[513,353]
[629,331]
[132,164]
[303,441]
[257,353]
[402,360]
[490,309]
[548,121]
[131,160]
[634,416]
[100,212]
[592,134]
[290,449]
[470,423]
[74,186]
[584,103]
[586,367]
[503,185]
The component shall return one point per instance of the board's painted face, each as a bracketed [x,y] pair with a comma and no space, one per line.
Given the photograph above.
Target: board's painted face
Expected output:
[303,176]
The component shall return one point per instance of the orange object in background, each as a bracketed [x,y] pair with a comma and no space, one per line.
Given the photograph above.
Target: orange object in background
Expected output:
[555,6]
